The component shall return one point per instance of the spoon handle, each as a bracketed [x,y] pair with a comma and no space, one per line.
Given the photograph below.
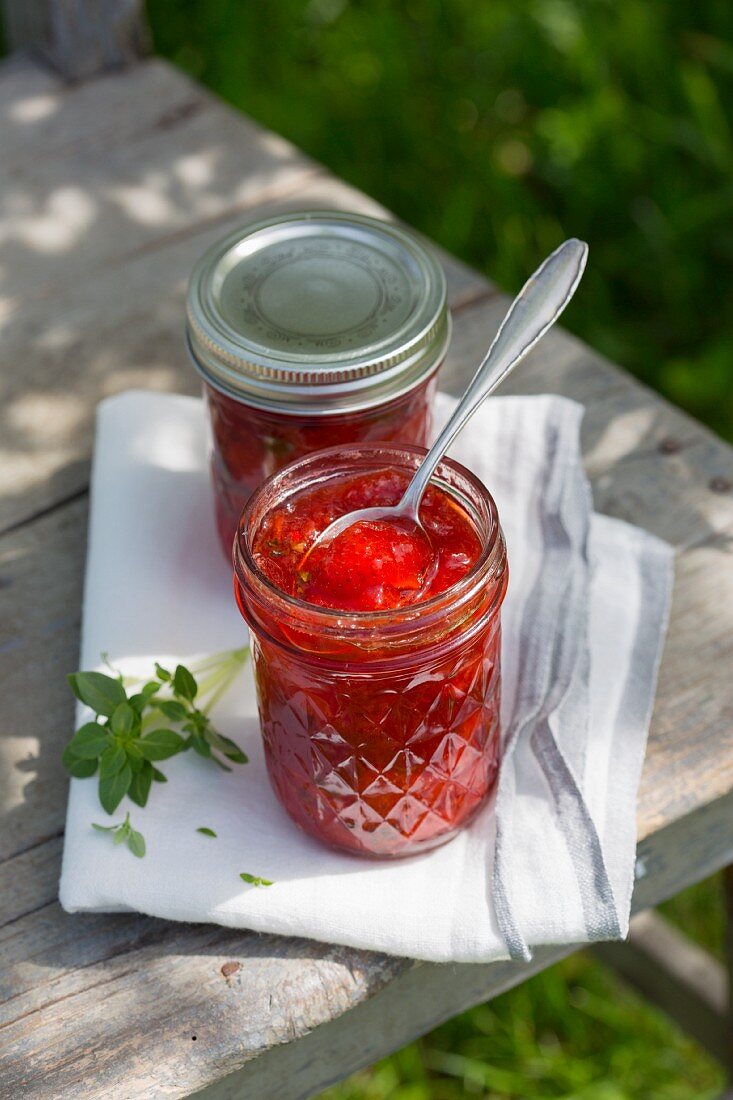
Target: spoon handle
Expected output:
[537,306]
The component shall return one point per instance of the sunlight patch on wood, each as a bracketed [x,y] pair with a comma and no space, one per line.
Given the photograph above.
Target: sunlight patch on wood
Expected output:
[66,216]
[14,750]
[33,109]
[42,417]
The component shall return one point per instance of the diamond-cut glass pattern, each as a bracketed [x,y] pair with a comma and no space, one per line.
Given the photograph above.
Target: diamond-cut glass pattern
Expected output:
[388,763]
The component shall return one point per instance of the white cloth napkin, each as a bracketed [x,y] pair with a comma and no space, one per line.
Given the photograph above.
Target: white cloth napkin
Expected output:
[583,626]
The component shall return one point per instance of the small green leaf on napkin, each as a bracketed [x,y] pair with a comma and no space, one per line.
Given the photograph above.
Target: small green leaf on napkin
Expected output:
[205,831]
[254,880]
[123,833]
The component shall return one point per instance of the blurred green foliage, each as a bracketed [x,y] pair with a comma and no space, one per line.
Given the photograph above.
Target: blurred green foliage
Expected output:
[500,126]
[572,1032]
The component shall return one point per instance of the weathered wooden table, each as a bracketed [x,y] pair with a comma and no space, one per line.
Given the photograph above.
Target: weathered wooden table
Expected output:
[110,190]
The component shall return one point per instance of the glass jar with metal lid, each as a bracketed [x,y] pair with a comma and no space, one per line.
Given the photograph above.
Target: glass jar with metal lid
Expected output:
[312,330]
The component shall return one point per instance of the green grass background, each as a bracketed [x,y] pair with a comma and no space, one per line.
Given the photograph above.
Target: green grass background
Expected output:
[499,127]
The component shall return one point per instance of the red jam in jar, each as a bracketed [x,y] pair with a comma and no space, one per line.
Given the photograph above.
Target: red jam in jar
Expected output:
[312,330]
[377,663]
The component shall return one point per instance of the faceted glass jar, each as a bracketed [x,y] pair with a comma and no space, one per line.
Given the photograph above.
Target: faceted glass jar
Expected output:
[310,330]
[381,729]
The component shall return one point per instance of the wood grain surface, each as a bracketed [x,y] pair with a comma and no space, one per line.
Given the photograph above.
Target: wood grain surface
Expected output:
[108,193]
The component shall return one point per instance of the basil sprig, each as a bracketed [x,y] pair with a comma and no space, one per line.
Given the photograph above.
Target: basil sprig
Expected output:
[133,732]
[123,833]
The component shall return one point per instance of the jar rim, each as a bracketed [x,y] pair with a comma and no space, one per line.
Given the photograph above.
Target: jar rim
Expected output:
[489,566]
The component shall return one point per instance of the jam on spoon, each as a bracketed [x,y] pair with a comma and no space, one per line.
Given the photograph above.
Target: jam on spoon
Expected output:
[375,565]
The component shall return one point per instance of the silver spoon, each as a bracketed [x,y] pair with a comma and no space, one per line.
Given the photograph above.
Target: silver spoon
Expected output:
[534,310]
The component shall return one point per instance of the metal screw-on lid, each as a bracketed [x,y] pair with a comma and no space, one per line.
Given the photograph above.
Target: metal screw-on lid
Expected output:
[321,308]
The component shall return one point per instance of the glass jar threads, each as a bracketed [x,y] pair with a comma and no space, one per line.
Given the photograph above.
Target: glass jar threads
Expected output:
[311,330]
[380,728]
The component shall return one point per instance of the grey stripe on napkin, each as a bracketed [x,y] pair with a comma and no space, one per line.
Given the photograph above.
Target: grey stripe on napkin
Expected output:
[552,661]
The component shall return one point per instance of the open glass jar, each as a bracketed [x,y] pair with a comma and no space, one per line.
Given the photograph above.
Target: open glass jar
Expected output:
[381,729]
[311,330]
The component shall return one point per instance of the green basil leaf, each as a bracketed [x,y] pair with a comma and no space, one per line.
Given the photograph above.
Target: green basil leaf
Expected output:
[90,741]
[162,673]
[172,709]
[141,783]
[124,720]
[114,788]
[158,776]
[102,693]
[132,748]
[79,768]
[82,769]
[205,831]
[229,748]
[104,828]
[184,683]
[160,744]
[136,843]
[120,835]
[112,761]
[199,745]
[255,880]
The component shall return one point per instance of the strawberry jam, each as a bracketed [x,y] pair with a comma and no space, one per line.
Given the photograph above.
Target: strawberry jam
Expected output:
[376,657]
[250,444]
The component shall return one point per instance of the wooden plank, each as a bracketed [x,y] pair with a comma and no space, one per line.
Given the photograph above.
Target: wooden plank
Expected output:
[131,159]
[413,1004]
[152,138]
[728,955]
[78,37]
[690,752]
[251,1023]
[41,572]
[206,999]
[679,977]
[29,881]
[27,98]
